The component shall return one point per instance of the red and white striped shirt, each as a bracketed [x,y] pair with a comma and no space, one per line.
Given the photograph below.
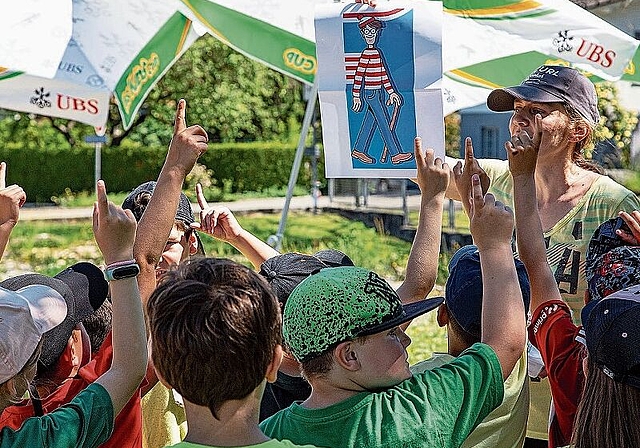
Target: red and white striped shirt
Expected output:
[371,70]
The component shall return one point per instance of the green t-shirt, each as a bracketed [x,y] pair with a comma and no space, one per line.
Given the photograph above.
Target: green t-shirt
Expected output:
[87,421]
[439,408]
[568,240]
[269,444]
[505,426]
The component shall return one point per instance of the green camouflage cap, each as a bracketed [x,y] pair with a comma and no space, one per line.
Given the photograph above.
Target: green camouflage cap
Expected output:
[342,303]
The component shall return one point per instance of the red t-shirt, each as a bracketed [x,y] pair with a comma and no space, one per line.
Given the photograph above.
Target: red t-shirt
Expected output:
[127,429]
[561,344]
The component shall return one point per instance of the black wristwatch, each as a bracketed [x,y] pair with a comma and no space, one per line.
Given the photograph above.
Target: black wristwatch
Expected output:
[120,272]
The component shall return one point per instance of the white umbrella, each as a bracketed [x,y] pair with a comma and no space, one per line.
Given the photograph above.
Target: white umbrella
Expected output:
[497,43]
[119,47]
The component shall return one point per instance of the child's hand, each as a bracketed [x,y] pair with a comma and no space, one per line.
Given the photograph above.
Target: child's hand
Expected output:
[433,175]
[11,199]
[491,222]
[633,221]
[462,175]
[218,222]
[522,150]
[188,143]
[113,228]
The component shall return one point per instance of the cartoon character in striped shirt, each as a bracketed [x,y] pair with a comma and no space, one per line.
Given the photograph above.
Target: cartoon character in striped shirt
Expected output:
[370,83]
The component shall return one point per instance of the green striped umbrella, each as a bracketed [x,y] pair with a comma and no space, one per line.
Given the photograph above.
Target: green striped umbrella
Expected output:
[496,43]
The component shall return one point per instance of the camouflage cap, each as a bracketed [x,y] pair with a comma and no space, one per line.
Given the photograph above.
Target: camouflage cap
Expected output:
[342,303]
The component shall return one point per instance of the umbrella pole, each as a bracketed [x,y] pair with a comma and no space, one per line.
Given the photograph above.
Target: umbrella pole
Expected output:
[275,241]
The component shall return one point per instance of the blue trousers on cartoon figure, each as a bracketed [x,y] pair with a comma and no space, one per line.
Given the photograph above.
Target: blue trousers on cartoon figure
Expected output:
[377,116]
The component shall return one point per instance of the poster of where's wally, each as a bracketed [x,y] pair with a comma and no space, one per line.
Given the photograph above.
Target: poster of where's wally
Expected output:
[379,72]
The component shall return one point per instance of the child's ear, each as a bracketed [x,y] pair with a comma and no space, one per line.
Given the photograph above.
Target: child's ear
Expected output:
[442,316]
[346,356]
[274,365]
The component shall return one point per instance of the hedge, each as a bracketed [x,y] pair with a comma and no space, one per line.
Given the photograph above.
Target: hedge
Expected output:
[239,167]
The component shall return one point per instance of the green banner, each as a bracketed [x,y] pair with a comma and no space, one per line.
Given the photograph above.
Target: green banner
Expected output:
[273,46]
[632,71]
[150,64]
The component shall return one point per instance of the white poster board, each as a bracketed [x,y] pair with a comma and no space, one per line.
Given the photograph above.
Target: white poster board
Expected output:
[379,72]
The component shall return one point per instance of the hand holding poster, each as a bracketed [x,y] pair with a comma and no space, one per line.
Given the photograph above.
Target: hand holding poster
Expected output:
[378,72]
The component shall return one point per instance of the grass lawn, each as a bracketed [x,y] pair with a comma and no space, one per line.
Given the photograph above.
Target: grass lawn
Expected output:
[49,247]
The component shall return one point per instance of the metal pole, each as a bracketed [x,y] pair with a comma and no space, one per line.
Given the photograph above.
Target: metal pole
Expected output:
[405,206]
[98,162]
[452,214]
[275,241]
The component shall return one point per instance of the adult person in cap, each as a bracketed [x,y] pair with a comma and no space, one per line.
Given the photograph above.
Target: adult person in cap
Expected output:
[573,195]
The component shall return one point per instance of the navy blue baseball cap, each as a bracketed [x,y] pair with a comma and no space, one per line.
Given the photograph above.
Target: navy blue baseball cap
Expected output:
[463,291]
[551,84]
[612,334]
[138,200]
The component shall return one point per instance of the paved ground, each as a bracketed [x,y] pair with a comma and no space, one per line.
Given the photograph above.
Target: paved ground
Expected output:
[386,202]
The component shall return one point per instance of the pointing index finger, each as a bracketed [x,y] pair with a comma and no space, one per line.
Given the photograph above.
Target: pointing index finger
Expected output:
[468,150]
[3,175]
[202,202]
[537,137]
[476,192]
[180,123]
[101,195]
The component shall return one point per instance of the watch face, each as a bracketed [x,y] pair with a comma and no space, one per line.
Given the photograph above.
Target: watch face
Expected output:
[125,272]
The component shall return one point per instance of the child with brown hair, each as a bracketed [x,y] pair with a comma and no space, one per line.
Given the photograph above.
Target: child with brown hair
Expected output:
[215,338]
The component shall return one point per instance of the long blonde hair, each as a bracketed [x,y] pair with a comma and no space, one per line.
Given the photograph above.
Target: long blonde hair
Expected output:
[577,156]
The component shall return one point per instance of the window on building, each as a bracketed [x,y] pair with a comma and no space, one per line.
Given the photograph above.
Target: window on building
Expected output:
[490,142]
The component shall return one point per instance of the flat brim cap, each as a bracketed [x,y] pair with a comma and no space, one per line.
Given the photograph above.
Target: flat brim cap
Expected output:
[410,312]
[338,304]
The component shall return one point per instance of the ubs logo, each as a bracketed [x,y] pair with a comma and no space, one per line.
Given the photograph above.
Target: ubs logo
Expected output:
[591,51]
[562,41]
[41,98]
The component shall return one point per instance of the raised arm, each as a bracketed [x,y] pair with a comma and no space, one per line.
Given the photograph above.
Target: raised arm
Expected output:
[522,154]
[115,231]
[220,223]
[422,265]
[11,199]
[503,317]
[187,144]
[462,177]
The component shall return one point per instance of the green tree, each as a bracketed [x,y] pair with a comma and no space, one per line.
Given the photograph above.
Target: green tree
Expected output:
[234,98]
[616,123]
